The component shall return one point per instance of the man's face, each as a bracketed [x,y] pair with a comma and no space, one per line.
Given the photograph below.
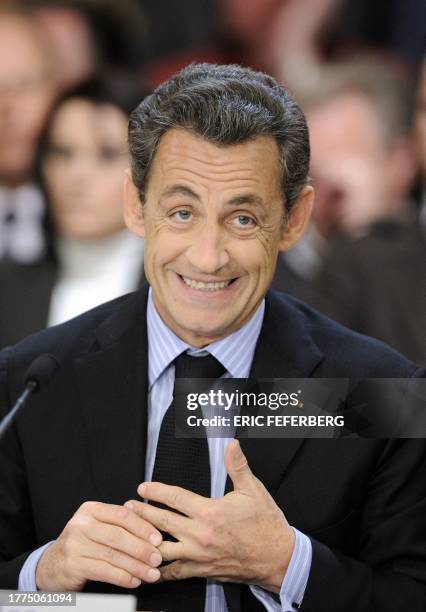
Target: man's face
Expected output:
[357,177]
[26,92]
[213,225]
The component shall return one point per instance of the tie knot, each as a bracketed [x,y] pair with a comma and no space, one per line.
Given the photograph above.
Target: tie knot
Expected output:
[187,366]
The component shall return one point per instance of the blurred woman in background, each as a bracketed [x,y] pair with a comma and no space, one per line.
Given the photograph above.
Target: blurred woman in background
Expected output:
[92,258]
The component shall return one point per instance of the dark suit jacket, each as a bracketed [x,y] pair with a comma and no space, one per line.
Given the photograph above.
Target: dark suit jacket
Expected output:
[362,502]
[287,280]
[376,285]
[25,295]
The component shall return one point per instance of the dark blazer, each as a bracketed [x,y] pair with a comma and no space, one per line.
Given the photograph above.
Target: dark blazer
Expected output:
[362,502]
[26,291]
[376,285]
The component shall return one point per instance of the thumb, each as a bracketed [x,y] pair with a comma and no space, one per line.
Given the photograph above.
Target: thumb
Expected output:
[238,468]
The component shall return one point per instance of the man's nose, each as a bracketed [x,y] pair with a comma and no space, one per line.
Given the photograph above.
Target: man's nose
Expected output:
[208,250]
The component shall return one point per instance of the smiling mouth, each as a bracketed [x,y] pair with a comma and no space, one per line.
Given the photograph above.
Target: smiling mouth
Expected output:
[210,286]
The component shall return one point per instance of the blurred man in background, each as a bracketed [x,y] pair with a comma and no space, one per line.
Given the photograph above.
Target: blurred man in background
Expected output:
[376,283]
[27,89]
[363,162]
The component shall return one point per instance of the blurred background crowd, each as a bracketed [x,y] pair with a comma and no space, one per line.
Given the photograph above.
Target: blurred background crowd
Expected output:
[72,70]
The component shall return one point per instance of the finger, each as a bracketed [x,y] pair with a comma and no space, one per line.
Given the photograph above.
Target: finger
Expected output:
[119,560]
[181,570]
[101,571]
[121,540]
[125,518]
[238,468]
[179,499]
[170,551]
[164,520]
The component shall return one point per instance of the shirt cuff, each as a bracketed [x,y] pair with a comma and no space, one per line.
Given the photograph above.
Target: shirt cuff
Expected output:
[27,575]
[295,579]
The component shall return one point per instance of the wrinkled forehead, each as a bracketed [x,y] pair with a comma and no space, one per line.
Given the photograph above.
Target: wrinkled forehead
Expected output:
[182,155]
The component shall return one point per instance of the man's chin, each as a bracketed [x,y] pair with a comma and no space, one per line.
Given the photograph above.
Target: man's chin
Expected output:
[201,332]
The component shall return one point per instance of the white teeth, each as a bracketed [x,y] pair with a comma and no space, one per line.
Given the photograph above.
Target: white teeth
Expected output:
[204,286]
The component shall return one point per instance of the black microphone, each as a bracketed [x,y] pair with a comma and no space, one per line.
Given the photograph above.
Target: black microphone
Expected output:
[36,378]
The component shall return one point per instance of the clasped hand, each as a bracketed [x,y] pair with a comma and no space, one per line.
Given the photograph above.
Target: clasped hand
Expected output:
[241,537]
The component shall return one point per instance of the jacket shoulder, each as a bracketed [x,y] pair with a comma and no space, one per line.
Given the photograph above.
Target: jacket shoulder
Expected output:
[78,335]
[346,352]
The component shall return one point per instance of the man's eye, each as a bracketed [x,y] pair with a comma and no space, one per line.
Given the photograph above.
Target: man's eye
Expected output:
[244,221]
[182,215]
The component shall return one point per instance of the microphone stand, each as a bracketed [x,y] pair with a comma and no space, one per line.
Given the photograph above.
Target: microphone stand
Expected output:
[30,387]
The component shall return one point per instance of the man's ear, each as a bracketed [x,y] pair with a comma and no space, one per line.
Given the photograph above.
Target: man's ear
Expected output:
[132,206]
[298,219]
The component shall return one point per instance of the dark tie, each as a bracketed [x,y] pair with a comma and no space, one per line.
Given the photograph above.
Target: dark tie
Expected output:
[182,462]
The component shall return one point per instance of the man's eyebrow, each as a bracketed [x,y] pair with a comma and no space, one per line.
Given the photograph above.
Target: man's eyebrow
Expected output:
[180,190]
[247,199]
[241,200]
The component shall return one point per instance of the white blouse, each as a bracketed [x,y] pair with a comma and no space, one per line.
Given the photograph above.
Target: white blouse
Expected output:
[94,272]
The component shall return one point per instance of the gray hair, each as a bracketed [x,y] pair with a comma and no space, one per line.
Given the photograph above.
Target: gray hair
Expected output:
[225,105]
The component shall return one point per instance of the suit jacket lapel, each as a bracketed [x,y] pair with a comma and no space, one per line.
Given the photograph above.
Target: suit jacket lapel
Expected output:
[285,349]
[113,386]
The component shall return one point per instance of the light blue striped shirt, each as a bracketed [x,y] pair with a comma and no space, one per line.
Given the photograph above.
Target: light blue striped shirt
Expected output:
[235,353]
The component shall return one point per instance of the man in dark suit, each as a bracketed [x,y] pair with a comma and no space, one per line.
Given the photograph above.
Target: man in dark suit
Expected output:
[218,186]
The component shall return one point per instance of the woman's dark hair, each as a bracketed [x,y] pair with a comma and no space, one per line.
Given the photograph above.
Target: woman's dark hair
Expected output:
[116,91]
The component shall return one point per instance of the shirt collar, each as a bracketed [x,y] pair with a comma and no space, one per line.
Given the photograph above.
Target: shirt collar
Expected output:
[235,352]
